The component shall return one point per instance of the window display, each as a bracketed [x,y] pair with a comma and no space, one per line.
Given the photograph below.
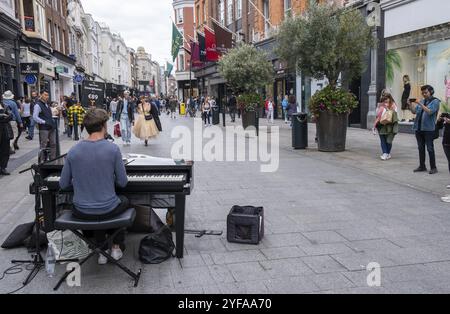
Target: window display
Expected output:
[412,67]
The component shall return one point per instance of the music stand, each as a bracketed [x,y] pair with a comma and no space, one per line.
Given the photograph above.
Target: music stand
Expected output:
[38,186]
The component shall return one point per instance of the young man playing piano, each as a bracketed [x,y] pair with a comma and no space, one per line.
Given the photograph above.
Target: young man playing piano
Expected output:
[94,167]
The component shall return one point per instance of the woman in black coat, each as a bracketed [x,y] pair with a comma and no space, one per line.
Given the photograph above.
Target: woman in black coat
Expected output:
[155,113]
[5,138]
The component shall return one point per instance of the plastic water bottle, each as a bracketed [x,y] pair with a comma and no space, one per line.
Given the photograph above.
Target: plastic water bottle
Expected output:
[50,260]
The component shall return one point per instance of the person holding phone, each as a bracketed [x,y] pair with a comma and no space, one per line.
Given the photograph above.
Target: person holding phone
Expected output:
[425,125]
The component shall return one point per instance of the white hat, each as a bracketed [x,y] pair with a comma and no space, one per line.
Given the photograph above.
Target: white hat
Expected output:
[8,95]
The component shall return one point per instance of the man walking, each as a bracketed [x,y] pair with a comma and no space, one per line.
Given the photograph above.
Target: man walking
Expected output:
[125,115]
[232,106]
[113,108]
[11,104]
[42,115]
[34,99]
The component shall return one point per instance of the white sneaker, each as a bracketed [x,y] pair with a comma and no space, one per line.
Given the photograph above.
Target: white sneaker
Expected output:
[448,187]
[383,157]
[388,157]
[117,254]
[102,260]
[446,199]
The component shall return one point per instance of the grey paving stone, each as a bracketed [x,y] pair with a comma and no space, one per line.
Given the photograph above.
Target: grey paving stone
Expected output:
[284,252]
[373,245]
[359,261]
[331,281]
[284,240]
[248,271]
[192,276]
[361,233]
[293,285]
[286,267]
[325,249]
[237,257]
[221,274]
[323,237]
[248,287]
[322,264]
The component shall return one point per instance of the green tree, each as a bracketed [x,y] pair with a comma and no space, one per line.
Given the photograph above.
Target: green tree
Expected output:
[326,41]
[246,69]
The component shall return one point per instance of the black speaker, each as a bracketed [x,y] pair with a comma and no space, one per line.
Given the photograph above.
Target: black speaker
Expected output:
[245,225]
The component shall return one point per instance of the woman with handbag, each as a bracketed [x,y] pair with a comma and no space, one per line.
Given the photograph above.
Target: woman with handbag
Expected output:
[386,124]
[6,135]
[145,126]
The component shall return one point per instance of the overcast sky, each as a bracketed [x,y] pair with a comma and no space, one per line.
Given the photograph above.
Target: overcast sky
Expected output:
[140,22]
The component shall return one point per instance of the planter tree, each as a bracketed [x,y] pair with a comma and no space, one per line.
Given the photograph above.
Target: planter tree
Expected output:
[328,42]
[246,69]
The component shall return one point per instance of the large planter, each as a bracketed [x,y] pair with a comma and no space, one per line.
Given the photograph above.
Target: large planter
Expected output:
[332,131]
[249,118]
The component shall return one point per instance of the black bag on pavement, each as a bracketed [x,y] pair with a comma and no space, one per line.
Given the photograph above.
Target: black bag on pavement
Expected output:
[157,247]
[17,238]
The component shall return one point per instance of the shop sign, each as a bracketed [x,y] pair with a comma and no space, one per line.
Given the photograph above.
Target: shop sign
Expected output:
[29,68]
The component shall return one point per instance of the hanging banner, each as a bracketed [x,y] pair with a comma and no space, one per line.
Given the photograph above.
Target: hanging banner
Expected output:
[211,49]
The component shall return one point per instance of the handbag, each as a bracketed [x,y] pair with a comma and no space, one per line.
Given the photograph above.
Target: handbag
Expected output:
[148,117]
[387,117]
[117,132]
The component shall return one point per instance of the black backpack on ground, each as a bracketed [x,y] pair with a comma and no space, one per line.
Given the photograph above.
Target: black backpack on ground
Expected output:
[157,247]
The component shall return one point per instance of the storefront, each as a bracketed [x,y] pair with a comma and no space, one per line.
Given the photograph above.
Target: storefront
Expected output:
[111,90]
[9,58]
[65,71]
[46,73]
[285,80]
[418,52]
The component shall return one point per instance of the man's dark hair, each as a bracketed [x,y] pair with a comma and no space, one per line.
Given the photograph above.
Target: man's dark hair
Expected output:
[292,99]
[95,119]
[44,91]
[428,88]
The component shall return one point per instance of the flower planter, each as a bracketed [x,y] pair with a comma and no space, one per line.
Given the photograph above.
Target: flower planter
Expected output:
[249,118]
[332,131]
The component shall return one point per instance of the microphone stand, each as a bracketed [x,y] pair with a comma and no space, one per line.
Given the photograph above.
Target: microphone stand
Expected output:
[38,188]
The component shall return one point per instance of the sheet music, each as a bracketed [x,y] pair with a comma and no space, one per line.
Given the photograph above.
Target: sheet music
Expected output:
[145,160]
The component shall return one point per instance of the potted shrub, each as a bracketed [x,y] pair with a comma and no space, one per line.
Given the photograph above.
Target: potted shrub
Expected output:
[328,42]
[246,69]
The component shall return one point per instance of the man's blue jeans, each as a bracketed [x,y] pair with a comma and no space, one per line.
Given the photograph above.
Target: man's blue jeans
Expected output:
[125,127]
[385,146]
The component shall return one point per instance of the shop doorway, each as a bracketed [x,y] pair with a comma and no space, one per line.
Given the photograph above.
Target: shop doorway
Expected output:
[354,119]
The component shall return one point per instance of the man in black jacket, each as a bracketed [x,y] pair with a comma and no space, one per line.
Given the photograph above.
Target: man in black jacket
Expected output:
[125,115]
[232,106]
[42,115]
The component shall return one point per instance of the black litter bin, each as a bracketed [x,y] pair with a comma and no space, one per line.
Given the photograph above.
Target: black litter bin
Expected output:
[215,115]
[300,131]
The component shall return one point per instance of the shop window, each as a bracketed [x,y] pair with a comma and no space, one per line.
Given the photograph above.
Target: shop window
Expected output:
[419,65]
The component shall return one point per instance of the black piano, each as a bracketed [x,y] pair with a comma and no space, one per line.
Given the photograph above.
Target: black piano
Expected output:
[147,177]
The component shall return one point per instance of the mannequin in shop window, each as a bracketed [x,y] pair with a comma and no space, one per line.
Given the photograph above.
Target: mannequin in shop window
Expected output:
[447,91]
[405,97]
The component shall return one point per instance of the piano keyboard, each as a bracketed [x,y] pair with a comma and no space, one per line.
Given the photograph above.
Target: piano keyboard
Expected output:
[135,178]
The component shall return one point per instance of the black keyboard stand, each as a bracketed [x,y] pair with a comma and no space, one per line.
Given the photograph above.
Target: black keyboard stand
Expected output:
[38,261]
